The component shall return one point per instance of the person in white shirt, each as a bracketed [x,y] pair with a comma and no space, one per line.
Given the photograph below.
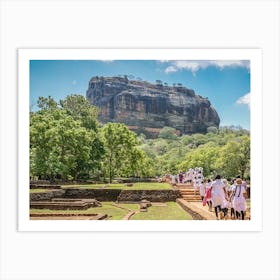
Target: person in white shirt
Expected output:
[239,201]
[173,180]
[195,185]
[230,195]
[202,190]
[218,195]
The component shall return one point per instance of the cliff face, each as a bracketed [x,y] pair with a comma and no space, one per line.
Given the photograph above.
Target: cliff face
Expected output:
[145,106]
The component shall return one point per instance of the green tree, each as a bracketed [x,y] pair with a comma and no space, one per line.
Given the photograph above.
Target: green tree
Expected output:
[64,141]
[46,103]
[121,149]
[235,157]
[212,129]
[80,109]
[204,156]
[168,133]
[58,145]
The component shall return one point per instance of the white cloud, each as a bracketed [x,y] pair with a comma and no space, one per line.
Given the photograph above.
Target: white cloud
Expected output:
[170,69]
[231,63]
[107,61]
[74,82]
[195,65]
[244,100]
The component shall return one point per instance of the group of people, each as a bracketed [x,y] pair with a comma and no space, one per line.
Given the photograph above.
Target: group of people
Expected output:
[221,194]
[224,196]
[194,176]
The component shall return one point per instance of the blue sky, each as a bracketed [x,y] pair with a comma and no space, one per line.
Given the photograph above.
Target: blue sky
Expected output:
[225,83]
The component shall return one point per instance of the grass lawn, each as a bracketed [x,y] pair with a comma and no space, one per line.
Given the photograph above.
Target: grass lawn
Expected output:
[38,190]
[170,212]
[136,186]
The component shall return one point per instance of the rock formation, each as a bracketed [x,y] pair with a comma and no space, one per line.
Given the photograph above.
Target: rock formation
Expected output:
[143,106]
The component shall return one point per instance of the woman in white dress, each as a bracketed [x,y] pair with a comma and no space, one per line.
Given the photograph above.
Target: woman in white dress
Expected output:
[218,196]
[202,190]
[239,201]
[173,180]
[189,176]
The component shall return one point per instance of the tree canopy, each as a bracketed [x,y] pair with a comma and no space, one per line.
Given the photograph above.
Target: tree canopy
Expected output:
[67,142]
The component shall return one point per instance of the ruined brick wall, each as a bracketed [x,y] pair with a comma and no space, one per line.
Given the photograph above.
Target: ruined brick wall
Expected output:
[48,195]
[109,195]
[151,195]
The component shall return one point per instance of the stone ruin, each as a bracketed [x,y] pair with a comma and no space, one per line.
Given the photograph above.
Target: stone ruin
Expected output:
[65,216]
[44,186]
[65,204]
[144,204]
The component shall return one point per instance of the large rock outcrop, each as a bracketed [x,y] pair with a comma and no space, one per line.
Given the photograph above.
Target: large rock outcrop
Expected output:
[145,106]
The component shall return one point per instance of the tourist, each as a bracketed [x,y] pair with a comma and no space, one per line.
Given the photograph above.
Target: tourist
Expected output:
[199,174]
[208,194]
[239,201]
[201,190]
[158,179]
[189,176]
[180,177]
[230,195]
[195,184]
[218,195]
[225,182]
[173,180]
[244,184]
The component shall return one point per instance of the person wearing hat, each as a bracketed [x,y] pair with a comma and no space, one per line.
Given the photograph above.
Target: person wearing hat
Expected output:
[239,201]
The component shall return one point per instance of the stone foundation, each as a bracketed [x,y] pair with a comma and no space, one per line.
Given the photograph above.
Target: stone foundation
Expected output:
[65,204]
[48,195]
[65,216]
[109,195]
[36,186]
[150,195]
[99,194]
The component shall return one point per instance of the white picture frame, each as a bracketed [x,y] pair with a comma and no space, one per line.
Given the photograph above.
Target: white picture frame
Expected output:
[253,55]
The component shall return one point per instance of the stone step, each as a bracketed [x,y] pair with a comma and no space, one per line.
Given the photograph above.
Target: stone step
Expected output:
[185,188]
[196,198]
[188,191]
[191,194]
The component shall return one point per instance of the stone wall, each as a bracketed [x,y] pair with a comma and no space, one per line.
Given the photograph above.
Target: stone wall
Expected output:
[109,194]
[151,195]
[48,195]
[99,194]
[35,186]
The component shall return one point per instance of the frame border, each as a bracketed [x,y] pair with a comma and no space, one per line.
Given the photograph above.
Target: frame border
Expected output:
[25,55]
